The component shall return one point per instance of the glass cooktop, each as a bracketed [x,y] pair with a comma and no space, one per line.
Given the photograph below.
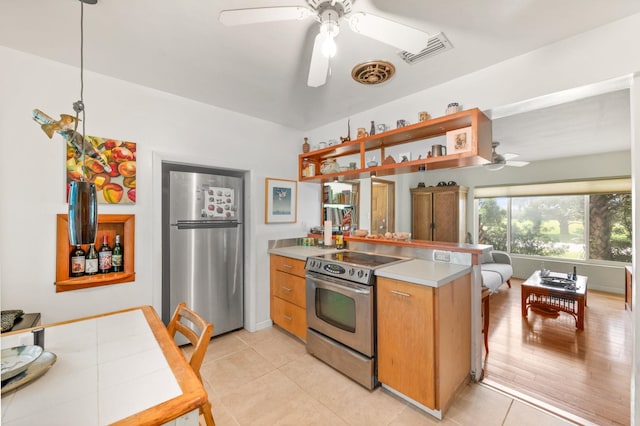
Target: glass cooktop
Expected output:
[359,259]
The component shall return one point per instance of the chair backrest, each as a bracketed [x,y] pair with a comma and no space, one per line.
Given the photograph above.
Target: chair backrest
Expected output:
[199,339]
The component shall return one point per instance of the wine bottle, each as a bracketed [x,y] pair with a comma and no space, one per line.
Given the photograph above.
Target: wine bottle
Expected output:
[76,262]
[104,256]
[116,256]
[91,261]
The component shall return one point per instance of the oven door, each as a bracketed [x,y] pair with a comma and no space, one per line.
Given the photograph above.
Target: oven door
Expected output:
[341,310]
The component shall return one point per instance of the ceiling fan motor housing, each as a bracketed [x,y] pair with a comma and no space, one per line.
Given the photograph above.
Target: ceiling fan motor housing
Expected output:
[341,7]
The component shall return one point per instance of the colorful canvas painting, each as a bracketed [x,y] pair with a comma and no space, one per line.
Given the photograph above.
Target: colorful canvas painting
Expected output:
[110,164]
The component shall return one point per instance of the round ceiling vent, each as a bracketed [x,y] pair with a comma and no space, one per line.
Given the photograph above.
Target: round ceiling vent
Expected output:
[373,72]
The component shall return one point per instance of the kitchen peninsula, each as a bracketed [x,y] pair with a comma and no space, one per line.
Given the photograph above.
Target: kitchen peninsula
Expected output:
[424,311]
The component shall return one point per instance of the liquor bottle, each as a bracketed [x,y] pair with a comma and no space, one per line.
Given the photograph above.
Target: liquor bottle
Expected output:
[116,256]
[91,261]
[339,239]
[76,262]
[104,257]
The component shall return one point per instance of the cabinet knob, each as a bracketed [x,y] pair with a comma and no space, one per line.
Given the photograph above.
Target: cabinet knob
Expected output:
[287,289]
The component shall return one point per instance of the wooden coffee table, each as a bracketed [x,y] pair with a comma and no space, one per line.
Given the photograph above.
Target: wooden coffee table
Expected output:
[549,300]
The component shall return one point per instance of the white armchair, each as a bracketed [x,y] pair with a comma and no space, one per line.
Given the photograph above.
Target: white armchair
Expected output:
[496,269]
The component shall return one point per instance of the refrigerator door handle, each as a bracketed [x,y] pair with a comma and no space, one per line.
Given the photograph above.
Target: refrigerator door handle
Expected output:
[205,224]
[235,267]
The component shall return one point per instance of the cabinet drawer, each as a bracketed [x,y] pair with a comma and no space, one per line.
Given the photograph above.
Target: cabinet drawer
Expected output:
[289,316]
[287,264]
[290,288]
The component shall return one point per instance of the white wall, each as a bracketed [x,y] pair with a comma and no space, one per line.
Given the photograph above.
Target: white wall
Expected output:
[32,172]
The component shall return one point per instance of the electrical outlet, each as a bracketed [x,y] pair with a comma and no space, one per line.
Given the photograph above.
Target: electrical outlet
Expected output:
[442,256]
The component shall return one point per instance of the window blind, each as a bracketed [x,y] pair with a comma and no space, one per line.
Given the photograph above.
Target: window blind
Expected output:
[581,187]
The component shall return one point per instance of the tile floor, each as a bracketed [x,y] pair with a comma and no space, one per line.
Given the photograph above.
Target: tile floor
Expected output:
[267,378]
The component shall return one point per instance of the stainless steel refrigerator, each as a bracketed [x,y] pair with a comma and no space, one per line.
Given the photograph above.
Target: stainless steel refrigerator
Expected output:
[202,244]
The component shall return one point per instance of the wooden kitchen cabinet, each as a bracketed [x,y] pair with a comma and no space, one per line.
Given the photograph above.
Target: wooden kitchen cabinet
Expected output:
[288,295]
[438,213]
[424,339]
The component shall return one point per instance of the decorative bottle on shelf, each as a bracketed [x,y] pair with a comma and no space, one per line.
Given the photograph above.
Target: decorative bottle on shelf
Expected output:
[339,238]
[104,256]
[91,261]
[305,145]
[373,128]
[116,256]
[76,262]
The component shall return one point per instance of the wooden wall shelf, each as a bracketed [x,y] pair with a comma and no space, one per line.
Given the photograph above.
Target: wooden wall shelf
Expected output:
[480,153]
[110,225]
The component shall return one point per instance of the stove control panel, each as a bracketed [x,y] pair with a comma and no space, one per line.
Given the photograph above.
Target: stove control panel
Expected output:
[362,275]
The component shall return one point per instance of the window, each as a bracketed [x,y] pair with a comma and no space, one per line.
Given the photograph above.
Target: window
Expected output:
[580,227]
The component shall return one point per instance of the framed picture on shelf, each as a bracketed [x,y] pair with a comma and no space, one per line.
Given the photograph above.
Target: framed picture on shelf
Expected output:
[459,140]
[281,202]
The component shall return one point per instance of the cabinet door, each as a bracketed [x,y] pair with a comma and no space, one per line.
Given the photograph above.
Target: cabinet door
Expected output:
[406,341]
[445,216]
[422,207]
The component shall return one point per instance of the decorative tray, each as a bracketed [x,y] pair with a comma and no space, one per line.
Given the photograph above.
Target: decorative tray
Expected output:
[35,370]
[558,282]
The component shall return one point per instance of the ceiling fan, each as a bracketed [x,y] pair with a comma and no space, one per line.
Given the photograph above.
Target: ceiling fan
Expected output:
[498,161]
[329,13]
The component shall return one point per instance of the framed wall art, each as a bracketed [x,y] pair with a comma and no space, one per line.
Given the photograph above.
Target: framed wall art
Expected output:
[281,201]
[459,140]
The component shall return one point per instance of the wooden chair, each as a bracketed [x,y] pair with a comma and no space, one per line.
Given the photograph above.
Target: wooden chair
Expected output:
[200,342]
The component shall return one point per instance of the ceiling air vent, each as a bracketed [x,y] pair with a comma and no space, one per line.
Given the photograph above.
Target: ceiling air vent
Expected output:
[437,43]
[373,72]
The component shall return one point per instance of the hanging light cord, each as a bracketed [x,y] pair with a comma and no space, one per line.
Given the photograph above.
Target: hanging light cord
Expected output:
[78,106]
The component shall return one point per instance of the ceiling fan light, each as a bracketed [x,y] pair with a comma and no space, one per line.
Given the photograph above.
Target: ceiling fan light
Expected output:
[329,47]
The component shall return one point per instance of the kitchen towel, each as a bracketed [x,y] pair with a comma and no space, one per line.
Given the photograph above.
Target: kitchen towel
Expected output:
[327,233]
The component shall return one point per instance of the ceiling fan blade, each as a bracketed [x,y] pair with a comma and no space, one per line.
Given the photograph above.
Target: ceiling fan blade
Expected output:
[510,155]
[517,163]
[319,63]
[263,14]
[389,32]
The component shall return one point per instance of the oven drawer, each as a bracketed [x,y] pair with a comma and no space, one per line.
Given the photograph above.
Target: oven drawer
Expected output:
[288,265]
[289,287]
[289,316]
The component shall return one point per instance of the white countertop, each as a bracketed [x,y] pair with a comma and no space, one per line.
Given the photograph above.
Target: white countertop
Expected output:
[301,252]
[424,272]
[416,271]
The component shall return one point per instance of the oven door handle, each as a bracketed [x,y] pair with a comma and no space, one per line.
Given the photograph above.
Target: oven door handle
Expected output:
[342,286]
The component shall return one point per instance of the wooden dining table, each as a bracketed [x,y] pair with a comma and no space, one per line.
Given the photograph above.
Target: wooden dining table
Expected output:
[120,368]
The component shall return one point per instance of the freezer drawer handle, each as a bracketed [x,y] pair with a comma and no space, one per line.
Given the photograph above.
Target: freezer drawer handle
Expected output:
[204,224]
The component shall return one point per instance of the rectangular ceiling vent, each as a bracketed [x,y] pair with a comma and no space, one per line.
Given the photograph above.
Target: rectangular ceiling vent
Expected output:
[437,44]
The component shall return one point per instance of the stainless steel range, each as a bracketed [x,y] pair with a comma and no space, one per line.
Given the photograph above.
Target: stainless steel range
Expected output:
[341,312]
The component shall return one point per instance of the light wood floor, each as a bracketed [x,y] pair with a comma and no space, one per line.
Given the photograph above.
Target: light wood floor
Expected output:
[586,373]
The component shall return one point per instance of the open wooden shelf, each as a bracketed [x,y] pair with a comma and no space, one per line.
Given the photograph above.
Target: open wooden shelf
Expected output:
[109,225]
[480,153]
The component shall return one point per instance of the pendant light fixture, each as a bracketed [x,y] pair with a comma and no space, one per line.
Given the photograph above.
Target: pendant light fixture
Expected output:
[83,200]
